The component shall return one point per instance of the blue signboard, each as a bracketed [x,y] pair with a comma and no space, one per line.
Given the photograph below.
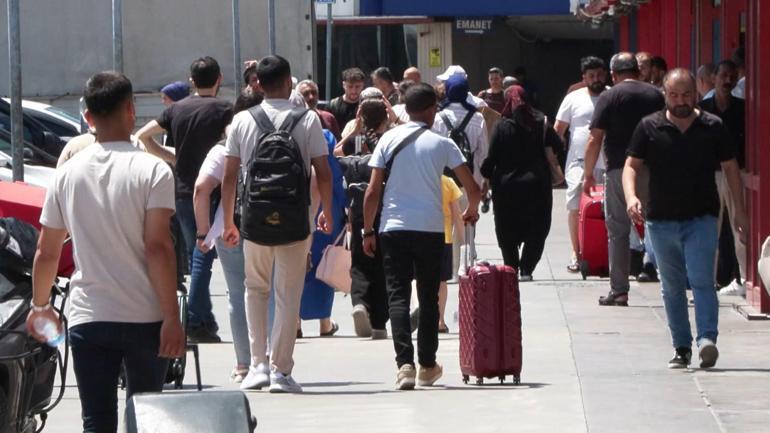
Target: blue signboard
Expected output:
[472,25]
[465,8]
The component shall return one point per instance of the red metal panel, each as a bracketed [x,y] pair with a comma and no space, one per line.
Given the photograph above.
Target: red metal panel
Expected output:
[706,18]
[685,23]
[758,142]
[650,27]
[731,25]
[668,33]
[624,43]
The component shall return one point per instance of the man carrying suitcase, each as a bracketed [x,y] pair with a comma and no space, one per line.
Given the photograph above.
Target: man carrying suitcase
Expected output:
[616,114]
[681,146]
[411,159]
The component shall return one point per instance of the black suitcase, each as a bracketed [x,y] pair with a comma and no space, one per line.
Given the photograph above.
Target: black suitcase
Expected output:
[190,412]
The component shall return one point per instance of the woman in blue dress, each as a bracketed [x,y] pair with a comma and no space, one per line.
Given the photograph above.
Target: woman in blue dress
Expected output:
[317,296]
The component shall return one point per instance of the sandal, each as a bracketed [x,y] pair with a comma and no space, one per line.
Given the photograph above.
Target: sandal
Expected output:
[238,374]
[573,266]
[335,328]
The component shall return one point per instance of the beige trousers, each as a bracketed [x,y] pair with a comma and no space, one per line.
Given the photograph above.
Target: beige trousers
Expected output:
[290,269]
[726,200]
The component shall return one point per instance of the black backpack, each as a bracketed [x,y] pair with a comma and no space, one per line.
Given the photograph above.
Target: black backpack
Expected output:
[18,243]
[275,195]
[460,138]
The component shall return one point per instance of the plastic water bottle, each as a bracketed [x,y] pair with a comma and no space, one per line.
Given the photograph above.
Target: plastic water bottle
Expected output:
[48,329]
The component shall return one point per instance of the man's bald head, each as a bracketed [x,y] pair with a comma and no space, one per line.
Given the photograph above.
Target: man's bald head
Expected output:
[679,77]
[681,92]
[413,74]
[624,65]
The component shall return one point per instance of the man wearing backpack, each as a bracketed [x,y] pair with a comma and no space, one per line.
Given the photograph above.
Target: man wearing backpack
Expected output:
[463,124]
[276,144]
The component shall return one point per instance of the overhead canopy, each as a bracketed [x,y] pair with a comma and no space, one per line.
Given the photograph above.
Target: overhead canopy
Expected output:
[442,8]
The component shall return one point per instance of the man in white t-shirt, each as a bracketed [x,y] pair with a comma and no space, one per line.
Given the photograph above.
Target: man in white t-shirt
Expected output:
[288,260]
[116,201]
[411,158]
[575,114]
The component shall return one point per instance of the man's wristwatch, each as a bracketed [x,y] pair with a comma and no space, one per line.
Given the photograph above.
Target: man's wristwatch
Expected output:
[201,237]
[366,233]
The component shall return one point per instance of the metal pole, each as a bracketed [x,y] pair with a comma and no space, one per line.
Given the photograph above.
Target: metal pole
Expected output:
[117,35]
[271,24]
[14,72]
[328,90]
[236,46]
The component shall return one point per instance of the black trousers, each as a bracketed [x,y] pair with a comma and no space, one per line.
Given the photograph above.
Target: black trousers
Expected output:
[368,279]
[522,222]
[410,255]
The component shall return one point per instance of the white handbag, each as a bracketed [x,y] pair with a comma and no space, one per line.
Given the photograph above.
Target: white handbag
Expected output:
[334,267]
[764,264]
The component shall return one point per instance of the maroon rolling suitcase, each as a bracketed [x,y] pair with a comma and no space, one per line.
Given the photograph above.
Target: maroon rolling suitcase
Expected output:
[490,323]
[592,235]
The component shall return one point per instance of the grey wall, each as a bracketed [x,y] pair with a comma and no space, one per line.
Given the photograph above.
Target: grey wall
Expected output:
[64,42]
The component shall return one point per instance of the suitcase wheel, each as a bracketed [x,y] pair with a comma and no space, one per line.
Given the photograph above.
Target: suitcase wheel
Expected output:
[516,380]
[479,381]
[466,378]
[584,269]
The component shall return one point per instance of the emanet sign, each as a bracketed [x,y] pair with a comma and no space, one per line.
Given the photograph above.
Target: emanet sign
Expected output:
[473,26]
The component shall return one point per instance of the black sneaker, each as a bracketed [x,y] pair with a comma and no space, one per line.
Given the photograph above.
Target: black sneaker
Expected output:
[202,334]
[614,299]
[648,274]
[681,358]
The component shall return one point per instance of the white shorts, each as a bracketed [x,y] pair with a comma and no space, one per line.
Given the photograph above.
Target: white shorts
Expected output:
[574,176]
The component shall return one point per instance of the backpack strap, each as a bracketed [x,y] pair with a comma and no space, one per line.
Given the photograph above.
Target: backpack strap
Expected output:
[293,118]
[264,122]
[466,120]
[446,121]
[407,140]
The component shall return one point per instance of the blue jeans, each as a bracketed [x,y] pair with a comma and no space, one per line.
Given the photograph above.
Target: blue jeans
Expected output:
[649,253]
[98,349]
[685,251]
[233,267]
[199,298]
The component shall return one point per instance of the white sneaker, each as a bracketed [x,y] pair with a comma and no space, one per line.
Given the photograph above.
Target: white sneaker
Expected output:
[361,321]
[734,289]
[257,378]
[708,353]
[283,384]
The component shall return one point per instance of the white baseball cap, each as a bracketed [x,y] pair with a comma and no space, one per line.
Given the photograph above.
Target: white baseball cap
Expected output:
[450,71]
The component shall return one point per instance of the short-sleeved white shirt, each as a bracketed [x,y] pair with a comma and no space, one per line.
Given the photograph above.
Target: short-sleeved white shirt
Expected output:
[476,131]
[101,196]
[577,109]
[244,132]
[412,197]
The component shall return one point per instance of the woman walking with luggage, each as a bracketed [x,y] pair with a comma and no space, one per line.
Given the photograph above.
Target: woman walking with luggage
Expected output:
[522,168]
[370,302]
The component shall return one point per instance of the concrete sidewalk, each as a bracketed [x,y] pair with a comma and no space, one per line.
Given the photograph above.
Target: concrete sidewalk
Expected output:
[586,368]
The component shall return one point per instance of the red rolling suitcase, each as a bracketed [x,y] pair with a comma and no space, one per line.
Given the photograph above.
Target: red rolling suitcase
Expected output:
[592,235]
[490,323]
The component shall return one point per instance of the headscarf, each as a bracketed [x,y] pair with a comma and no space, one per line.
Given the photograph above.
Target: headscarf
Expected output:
[515,96]
[456,91]
[176,91]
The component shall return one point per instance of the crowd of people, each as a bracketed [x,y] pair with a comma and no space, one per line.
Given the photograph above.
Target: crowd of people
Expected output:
[400,168]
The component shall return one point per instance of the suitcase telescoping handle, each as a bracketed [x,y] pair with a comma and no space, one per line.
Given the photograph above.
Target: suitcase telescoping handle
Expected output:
[470,247]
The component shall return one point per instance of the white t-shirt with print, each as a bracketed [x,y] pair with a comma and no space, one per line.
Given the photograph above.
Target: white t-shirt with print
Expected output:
[577,109]
[101,197]
[412,197]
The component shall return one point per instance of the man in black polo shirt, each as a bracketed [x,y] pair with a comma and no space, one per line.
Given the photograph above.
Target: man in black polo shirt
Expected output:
[681,146]
[194,124]
[616,114]
[732,111]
